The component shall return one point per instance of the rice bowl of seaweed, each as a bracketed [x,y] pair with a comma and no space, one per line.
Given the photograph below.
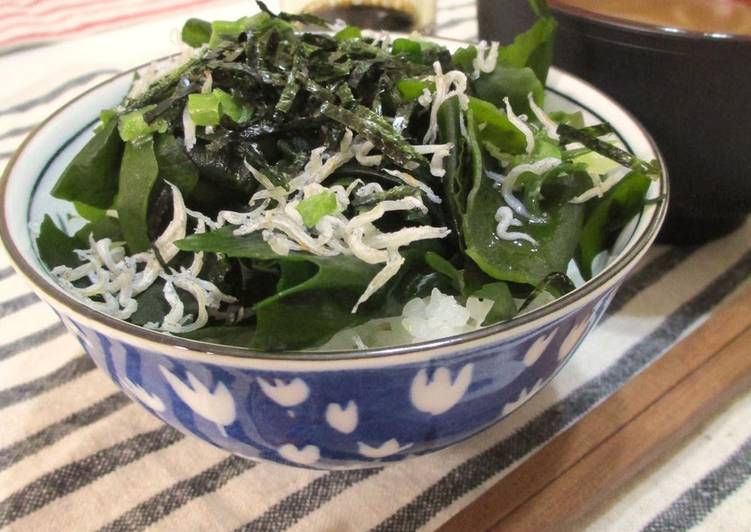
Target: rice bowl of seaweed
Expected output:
[294,231]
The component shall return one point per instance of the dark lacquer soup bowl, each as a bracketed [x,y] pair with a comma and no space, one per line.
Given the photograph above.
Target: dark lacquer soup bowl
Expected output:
[322,410]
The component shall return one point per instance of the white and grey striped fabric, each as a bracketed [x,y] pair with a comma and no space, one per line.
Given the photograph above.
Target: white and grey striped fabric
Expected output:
[76,454]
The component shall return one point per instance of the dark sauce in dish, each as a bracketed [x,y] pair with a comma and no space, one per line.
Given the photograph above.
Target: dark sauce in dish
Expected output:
[366,16]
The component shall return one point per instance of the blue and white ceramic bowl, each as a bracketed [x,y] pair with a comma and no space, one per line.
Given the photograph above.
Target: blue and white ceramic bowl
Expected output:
[322,410]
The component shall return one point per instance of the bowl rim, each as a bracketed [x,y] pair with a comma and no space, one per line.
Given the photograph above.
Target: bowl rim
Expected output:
[219,353]
[657,30]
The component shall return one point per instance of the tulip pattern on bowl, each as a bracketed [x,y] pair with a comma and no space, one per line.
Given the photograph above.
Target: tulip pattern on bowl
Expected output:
[340,416]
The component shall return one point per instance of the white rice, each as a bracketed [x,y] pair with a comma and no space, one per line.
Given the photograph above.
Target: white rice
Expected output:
[422,319]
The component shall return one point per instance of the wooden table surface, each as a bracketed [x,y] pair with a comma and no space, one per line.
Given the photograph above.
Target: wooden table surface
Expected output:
[560,486]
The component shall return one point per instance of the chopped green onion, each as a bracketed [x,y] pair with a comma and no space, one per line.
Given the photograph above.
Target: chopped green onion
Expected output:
[231,107]
[133,127]
[207,109]
[106,115]
[410,89]
[347,33]
[316,207]
[230,30]
[407,48]
[196,32]
[204,109]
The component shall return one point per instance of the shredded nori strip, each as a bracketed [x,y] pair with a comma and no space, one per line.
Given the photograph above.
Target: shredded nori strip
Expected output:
[375,129]
[605,149]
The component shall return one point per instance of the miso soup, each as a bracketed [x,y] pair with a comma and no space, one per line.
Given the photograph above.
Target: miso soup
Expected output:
[705,16]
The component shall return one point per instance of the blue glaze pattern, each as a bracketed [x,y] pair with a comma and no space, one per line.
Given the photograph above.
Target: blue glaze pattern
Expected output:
[343,417]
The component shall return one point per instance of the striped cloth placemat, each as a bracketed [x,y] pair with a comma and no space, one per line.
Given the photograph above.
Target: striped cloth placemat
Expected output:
[26,22]
[76,454]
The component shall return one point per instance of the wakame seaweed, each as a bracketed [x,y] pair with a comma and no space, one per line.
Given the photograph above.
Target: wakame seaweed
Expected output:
[278,186]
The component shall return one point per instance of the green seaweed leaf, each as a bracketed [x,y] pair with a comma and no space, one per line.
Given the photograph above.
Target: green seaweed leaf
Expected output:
[319,305]
[519,261]
[498,129]
[241,335]
[608,215]
[553,286]
[174,164]
[444,267]
[104,227]
[532,49]
[514,83]
[139,172]
[91,177]
[456,182]
[56,247]
[504,307]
